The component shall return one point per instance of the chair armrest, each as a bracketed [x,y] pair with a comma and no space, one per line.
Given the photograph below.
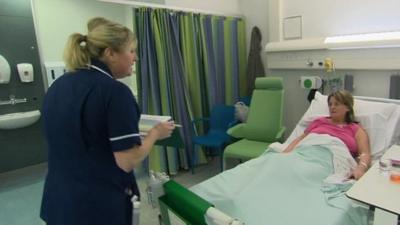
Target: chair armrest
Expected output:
[279,135]
[233,123]
[237,131]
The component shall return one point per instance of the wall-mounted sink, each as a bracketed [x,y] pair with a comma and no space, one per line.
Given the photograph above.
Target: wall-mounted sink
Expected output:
[18,120]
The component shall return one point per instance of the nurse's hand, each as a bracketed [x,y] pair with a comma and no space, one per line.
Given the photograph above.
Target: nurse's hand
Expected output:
[164,129]
[128,159]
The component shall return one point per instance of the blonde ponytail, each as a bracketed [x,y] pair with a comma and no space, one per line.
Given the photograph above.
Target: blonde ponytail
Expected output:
[76,54]
[102,34]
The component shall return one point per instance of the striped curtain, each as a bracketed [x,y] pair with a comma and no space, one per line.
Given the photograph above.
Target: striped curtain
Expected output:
[187,64]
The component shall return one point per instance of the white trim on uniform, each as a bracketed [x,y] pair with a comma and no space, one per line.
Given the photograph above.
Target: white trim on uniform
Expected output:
[101,71]
[124,136]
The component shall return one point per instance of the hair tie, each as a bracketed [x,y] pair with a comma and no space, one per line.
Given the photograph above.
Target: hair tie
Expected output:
[83,41]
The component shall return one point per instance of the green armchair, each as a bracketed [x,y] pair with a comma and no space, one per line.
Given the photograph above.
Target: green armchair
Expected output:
[264,121]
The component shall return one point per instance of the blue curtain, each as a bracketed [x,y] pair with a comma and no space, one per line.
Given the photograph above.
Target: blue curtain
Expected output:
[178,53]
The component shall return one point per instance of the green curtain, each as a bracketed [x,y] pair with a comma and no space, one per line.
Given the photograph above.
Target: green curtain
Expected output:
[242,58]
[178,56]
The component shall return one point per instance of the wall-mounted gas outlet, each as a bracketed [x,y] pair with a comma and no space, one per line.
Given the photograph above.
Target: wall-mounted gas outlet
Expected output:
[310,82]
[328,64]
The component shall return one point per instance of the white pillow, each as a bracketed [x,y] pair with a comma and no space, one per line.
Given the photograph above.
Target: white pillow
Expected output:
[375,125]
[378,119]
[393,126]
[317,108]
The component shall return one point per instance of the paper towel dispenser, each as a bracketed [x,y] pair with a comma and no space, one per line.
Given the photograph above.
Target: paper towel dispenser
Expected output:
[5,71]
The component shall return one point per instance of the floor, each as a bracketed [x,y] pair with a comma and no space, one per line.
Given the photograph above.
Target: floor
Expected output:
[21,191]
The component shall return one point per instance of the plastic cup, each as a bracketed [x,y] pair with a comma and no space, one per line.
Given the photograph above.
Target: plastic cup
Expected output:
[385,166]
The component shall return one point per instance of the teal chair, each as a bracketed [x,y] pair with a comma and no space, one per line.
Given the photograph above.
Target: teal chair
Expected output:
[264,121]
[221,118]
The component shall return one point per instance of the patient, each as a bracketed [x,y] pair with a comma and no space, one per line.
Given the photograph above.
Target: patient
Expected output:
[341,124]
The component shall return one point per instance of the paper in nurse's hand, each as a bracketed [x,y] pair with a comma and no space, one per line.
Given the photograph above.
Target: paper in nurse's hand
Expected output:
[149,121]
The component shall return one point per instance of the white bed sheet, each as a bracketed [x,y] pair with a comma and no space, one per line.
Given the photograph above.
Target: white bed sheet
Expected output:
[286,189]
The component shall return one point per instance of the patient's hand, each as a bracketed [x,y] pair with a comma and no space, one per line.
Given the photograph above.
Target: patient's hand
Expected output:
[292,145]
[358,172]
[287,150]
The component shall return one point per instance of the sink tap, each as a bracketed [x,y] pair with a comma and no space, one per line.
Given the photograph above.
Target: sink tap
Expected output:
[13,100]
[20,100]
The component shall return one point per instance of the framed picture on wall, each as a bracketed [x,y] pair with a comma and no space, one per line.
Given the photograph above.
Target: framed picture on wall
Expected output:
[292,27]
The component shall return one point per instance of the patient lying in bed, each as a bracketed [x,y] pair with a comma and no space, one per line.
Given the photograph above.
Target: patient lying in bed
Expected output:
[341,124]
[306,186]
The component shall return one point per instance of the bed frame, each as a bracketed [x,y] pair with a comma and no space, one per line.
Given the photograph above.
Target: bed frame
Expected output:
[180,206]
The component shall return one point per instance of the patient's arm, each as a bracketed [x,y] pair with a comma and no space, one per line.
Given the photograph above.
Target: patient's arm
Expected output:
[292,145]
[364,153]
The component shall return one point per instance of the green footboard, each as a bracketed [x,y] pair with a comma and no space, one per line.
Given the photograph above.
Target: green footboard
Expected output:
[180,206]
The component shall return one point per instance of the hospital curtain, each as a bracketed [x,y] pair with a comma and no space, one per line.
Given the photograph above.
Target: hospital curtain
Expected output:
[184,70]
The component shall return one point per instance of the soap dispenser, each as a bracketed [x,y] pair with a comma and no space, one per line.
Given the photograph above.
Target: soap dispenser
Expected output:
[5,71]
[25,71]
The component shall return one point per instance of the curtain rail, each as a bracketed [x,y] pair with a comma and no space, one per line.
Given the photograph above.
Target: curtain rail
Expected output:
[154,5]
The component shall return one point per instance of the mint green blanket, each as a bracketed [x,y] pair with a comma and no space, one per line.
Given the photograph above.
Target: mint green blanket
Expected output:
[283,189]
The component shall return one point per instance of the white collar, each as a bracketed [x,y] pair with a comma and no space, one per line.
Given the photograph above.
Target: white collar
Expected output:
[100,70]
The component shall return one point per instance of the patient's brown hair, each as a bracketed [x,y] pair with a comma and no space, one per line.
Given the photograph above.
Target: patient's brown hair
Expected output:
[346,98]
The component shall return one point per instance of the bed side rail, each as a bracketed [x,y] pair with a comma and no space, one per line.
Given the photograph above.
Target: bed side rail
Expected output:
[181,206]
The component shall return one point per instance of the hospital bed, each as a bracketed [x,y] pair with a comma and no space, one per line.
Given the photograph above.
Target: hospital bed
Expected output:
[306,187]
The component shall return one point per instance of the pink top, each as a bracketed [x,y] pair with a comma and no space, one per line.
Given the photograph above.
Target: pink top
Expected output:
[345,132]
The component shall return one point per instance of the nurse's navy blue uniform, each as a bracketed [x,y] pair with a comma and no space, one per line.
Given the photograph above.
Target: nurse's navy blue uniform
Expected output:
[87,116]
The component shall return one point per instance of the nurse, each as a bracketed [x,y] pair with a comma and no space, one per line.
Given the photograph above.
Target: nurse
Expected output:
[91,126]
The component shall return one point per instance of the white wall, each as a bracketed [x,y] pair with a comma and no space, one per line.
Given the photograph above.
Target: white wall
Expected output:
[255,13]
[327,17]
[321,18]
[224,6]
[57,19]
